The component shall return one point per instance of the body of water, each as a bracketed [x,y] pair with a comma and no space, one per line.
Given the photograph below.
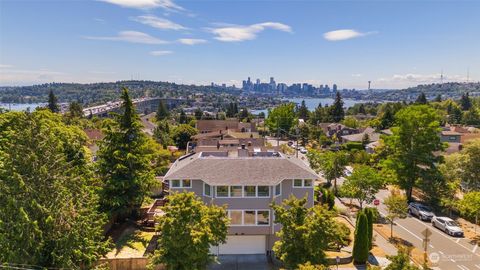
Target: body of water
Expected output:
[312,103]
[21,106]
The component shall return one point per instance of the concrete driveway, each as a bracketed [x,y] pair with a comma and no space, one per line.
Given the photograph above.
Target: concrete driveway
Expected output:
[242,262]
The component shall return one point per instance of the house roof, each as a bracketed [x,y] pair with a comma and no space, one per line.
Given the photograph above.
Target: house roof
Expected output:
[372,136]
[215,125]
[450,133]
[216,170]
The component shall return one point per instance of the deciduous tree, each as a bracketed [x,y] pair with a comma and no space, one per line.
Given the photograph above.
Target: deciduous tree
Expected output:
[182,134]
[188,229]
[412,146]
[331,164]
[49,198]
[363,184]
[306,233]
[397,208]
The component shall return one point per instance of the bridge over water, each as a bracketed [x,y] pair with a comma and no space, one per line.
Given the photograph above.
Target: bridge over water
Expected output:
[144,105]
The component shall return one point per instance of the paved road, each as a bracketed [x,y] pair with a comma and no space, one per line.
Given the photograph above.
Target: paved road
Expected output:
[449,253]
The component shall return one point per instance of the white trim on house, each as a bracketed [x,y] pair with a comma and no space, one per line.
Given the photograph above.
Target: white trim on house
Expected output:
[244,196]
[302,183]
[210,188]
[256,217]
[275,190]
[181,183]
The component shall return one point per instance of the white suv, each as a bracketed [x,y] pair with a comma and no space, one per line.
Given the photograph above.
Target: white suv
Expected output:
[447,225]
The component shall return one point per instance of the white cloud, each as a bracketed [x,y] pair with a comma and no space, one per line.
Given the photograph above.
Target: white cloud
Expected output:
[357,75]
[146,4]
[24,76]
[132,37]
[412,79]
[5,66]
[159,23]
[238,33]
[192,41]
[345,34]
[160,53]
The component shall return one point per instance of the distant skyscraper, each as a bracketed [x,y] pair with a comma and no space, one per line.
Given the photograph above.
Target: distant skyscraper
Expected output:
[258,81]
[334,88]
[273,84]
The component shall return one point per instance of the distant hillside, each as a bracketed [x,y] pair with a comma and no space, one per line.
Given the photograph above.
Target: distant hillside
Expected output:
[97,93]
[446,90]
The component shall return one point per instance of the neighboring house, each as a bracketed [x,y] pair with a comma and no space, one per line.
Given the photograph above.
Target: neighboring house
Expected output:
[450,136]
[252,144]
[207,126]
[225,134]
[247,185]
[339,130]
[373,136]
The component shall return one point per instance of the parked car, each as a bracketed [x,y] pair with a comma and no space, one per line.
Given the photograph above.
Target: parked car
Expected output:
[421,211]
[290,143]
[448,225]
[303,150]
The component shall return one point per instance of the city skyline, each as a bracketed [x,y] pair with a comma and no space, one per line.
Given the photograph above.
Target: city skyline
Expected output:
[391,44]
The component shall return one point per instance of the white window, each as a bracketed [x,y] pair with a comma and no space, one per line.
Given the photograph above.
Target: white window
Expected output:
[236,191]
[249,217]
[263,217]
[250,191]
[236,217]
[175,183]
[222,191]
[299,183]
[207,190]
[186,183]
[278,189]
[263,191]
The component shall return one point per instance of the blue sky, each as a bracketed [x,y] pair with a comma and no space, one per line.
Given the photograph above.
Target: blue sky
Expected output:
[392,43]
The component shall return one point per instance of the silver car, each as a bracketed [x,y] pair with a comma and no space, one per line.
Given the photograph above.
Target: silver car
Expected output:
[448,225]
[421,211]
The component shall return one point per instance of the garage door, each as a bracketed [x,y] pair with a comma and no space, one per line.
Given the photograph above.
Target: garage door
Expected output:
[242,244]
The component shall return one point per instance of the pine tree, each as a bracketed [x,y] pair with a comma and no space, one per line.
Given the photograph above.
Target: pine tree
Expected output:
[361,243]
[125,163]
[336,110]
[438,98]
[388,118]
[75,110]
[303,112]
[53,102]
[183,117]
[421,99]
[162,111]
[465,102]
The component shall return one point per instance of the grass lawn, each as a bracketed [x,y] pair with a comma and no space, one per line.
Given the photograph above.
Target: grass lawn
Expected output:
[130,241]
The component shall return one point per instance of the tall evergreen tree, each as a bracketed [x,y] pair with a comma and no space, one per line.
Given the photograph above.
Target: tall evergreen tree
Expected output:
[388,118]
[303,112]
[53,102]
[438,98]
[361,243]
[198,113]
[183,117]
[124,163]
[336,110]
[421,99]
[369,212]
[162,111]
[75,109]
[465,102]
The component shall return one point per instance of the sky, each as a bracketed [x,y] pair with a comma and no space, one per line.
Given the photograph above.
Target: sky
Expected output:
[394,44]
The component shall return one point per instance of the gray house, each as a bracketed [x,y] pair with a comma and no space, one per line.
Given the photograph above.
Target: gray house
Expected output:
[247,185]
